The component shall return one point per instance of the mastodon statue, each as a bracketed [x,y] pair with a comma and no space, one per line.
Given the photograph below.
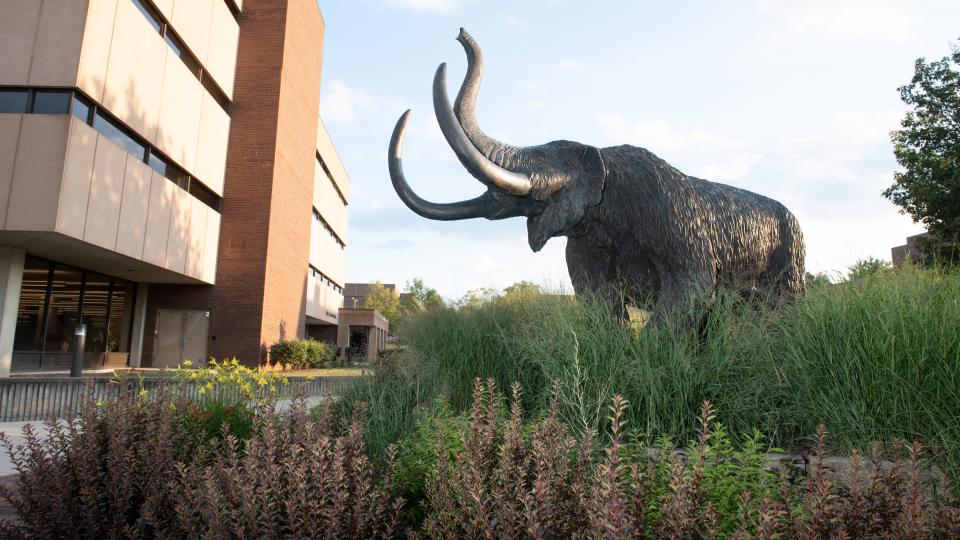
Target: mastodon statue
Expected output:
[637,229]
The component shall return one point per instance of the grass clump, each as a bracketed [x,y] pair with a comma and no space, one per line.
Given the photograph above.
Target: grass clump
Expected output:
[875,359]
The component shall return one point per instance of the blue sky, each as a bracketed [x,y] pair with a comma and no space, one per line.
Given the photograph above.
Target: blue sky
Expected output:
[791,99]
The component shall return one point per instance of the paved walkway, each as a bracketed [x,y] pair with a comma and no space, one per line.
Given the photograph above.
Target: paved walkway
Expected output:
[14,432]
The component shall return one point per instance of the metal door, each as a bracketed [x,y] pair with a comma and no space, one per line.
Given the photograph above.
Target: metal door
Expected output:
[181,335]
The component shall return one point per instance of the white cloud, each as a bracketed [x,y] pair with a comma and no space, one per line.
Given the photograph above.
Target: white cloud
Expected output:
[429,6]
[568,64]
[513,21]
[339,104]
[844,20]
[659,136]
[731,169]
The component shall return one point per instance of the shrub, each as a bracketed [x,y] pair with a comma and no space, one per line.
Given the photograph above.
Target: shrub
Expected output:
[512,479]
[319,354]
[303,353]
[130,468]
[122,470]
[289,351]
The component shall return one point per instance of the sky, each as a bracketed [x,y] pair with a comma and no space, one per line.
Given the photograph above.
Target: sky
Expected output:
[791,99]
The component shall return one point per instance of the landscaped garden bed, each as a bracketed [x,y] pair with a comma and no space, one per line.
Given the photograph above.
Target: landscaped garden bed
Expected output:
[540,416]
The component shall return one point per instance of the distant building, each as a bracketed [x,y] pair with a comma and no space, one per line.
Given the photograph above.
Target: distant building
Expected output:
[355,293]
[911,249]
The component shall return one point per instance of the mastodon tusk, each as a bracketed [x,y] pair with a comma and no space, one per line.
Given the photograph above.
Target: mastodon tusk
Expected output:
[481,206]
[476,163]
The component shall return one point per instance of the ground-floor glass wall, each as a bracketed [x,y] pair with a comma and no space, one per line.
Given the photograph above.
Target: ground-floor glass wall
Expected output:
[54,299]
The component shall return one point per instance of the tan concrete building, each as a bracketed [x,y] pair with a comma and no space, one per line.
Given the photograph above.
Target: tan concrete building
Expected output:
[165,179]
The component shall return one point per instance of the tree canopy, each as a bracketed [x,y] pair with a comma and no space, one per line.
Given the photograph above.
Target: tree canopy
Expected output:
[928,148]
[384,300]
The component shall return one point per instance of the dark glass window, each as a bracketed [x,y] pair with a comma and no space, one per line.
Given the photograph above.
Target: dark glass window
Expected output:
[117,134]
[54,298]
[205,195]
[96,295]
[14,101]
[33,294]
[51,102]
[62,309]
[121,315]
[149,14]
[81,108]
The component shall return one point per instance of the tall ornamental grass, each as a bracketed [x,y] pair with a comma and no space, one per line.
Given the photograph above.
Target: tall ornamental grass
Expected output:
[875,359]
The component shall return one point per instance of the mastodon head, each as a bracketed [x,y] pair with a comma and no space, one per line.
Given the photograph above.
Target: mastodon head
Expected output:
[551,184]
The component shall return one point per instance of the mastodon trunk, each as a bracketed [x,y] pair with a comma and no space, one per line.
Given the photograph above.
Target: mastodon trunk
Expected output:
[505,155]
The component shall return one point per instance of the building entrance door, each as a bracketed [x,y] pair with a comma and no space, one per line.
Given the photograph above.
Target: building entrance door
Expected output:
[181,335]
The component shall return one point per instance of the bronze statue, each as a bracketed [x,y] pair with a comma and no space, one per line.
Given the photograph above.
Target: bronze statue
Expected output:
[638,229]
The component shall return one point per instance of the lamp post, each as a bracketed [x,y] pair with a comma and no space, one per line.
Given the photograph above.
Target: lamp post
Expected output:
[79,342]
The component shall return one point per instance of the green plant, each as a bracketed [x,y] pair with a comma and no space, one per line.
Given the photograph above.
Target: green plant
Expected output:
[228,381]
[417,455]
[289,351]
[319,354]
[875,360]
[303,353]
[212,420]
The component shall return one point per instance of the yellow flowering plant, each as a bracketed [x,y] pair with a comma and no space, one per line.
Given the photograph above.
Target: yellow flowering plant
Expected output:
[229,379]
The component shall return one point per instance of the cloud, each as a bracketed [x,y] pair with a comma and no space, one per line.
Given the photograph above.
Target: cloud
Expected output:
[568,64]
[428,6]
[736,167]
[339,105]
[343,104]
[842,20]
[659,136]
[512,20]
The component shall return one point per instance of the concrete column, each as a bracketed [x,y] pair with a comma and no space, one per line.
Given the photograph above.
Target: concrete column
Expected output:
[11,278]
[139,319]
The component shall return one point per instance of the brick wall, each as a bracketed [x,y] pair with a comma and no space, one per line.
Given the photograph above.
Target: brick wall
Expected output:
[259,295]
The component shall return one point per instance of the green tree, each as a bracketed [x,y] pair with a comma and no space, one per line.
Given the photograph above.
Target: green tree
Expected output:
[815,281]
[928,149]
[428,297]
[384,300]
[477,297]
[868,267]
[522,289]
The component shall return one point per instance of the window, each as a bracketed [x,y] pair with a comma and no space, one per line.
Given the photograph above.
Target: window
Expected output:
[54,298]
[150,14]
[70,101]
[118,134]
[324,279]
[168,169]
[51,102]
[180,49]
[328,228]
[33,295]
[81,108]
[205,195]
[14,101]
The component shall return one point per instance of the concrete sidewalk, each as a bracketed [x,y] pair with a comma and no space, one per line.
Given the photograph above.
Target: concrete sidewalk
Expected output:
[14,432]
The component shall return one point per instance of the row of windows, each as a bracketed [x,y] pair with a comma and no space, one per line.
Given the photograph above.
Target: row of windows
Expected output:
[323,278]
[330,178]
[54,101]
[328,228]
[161,25]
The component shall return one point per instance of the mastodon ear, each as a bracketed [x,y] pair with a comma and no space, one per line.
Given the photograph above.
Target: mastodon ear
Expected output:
[595,175]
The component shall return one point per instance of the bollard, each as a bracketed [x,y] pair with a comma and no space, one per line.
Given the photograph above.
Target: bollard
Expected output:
[79,342]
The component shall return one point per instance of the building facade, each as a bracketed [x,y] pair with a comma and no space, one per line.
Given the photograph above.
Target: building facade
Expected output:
[165,180]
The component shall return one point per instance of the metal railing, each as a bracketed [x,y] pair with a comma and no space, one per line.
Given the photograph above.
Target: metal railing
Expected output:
[39,398]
